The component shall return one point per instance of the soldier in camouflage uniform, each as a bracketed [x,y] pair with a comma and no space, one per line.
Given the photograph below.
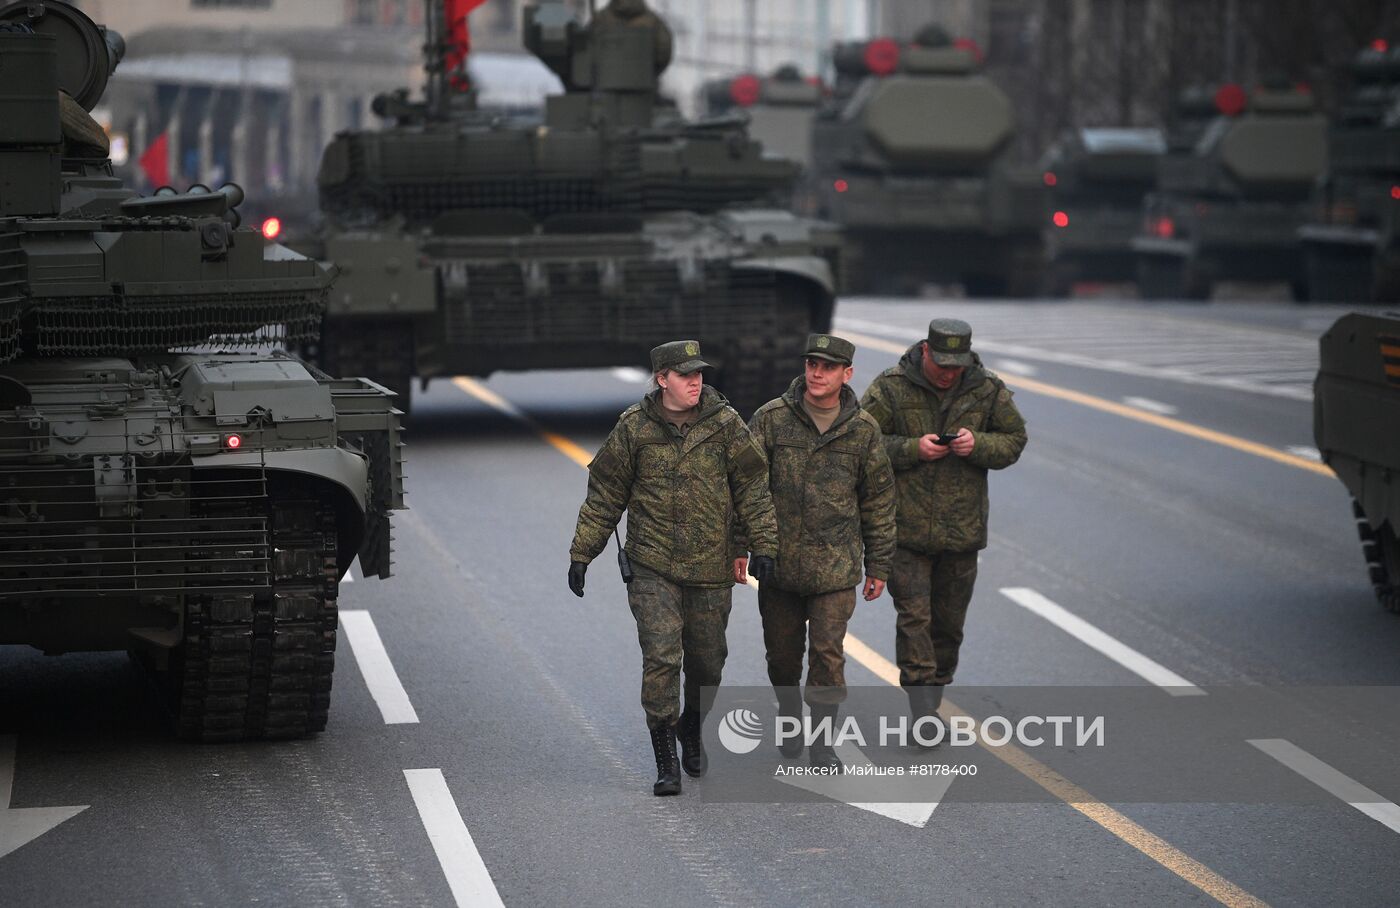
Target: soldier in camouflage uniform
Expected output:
[940,390]
[684,467]
[833,491]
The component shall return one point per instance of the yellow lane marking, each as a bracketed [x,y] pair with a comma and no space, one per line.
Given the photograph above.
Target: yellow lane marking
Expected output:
[1154,847]
[1021,383]
[492,399]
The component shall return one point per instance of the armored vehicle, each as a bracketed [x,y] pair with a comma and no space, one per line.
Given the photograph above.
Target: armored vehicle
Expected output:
[1097,180]
[1356,407]
[1230,208]
[174,485]
[472,242]
[1352,247]
[780,108]
[913,159]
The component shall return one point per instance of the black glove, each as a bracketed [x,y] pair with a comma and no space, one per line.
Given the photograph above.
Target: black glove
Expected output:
[576,572]
[762,568]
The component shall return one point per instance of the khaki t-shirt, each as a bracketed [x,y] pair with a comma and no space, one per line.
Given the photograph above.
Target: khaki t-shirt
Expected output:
[822,416]
[682,419]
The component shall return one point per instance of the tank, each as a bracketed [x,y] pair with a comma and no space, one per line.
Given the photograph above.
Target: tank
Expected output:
[1352,244]
[1097,179]
[472,242]
[780,108]
[1228,207]
[913,158]
[1356,407]
[175,484]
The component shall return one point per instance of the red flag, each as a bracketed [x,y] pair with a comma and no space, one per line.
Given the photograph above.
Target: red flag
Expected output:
[155,161]
[459,41]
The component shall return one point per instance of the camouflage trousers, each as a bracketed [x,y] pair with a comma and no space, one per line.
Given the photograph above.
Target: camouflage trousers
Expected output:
[931,594]
[793,623]
[680,628]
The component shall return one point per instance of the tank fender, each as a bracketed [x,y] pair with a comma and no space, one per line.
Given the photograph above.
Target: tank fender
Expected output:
[345,469]
[810,268]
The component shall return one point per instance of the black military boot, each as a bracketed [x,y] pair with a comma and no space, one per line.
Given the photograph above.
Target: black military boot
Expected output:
[790,705]
[693,759]
[668,767]
[821,752]
[924,701]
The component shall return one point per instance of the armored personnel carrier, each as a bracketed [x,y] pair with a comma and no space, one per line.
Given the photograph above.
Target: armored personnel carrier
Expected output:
[1097,180]
[1352,247]
[174,484]
[1230,208]
[913,159]
[472,242]
[1356,407]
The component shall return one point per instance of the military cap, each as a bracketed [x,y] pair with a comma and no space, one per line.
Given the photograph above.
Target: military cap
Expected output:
[830,348]
[678,356]
[950,342]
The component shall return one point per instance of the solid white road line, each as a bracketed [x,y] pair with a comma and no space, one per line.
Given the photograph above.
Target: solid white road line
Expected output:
[466,873]
[350,574]
[1086,633]
[1150,405]
[1331,781]
[380,677]
[1307,452]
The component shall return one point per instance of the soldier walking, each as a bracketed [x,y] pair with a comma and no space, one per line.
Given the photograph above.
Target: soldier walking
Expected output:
[683,465]
[833,491]
[946,421]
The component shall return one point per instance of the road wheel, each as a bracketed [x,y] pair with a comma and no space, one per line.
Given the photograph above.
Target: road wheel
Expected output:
[1382,551]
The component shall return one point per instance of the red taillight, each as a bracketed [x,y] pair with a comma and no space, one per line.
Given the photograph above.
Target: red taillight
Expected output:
[272,228]
[840,185]
[1380,46]
[1163,227]
[1050,178]
[233,441]
[1230,99]
[1395,192]
[970,46]
[882,56]
[744,90]
[1061,219]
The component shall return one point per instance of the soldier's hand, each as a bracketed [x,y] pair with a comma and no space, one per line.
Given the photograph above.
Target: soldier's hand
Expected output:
[873,588]
[576,571]
[964,443]
[930,449]
[741,569]
[762,568]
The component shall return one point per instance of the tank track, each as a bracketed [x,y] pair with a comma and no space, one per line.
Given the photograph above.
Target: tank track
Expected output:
[1382,552]
[259,665]
[758,368]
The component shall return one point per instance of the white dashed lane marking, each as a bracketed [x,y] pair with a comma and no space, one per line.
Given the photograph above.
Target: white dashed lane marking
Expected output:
[380,677]
[1332,781]
[1150,405]
[1091,636]
[466,872]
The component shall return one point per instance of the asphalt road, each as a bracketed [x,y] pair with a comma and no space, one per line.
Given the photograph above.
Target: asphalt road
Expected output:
[1168,501]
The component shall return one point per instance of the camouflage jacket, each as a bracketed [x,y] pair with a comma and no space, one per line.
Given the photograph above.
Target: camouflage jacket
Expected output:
[833,492]
[942,504]
[682,494]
